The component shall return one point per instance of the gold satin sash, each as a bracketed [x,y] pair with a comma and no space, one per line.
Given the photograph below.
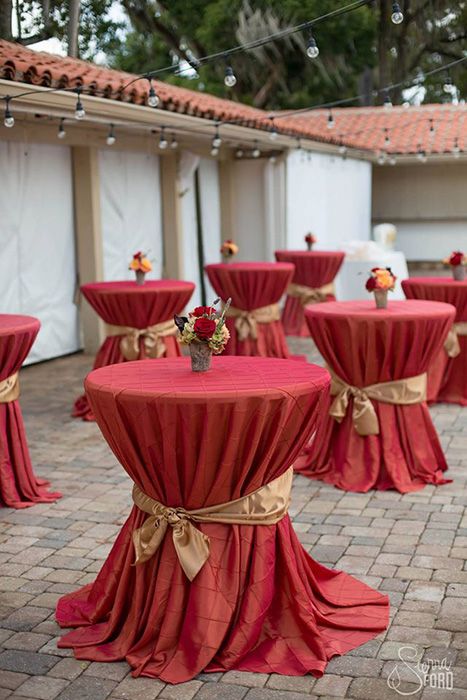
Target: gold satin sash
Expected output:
[451,344]
[9,388]
[310,295]
[153,338]
[404,392]
[246,322]
[265,506]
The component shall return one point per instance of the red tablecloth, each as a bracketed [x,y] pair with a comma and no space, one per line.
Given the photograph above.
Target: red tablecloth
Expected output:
[365,346]
[19,487]
[260,603]
[447,377]
[253,285]
[313,268]
[135,306]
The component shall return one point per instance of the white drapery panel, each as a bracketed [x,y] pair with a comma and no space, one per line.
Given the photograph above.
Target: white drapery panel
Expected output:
[329,196]
[209,194]
[130,211]
[249,216]
[37,246]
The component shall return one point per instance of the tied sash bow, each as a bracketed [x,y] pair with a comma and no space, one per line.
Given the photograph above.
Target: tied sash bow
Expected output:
[152,337]
[451,344]
[310,295]
[246,322]
[265,506]
[407,391]
[9,388]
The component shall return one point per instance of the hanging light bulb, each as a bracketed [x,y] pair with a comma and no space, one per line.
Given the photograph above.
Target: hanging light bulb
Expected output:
[214,151]
[312,50]
[397,16]
[392,160]
[273,133]
[456,151]
[343,150]
[174,142]
[229,79]
[387,104]
[448,86]
[239,153]
[387,140]
[110,140]
[421,155]
[79,109]
[432,129]
[406,105]
[61,133]
[331,122]
[8,119]
[153,99]
[272,159]
[163,143]
[256,151]
[216,142]
[381,158]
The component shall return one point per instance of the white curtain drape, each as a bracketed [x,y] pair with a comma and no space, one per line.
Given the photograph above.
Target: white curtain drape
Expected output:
[130,211]
[37,245]
[209,191]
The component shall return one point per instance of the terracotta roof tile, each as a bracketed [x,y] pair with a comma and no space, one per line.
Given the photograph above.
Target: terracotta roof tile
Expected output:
[362,128]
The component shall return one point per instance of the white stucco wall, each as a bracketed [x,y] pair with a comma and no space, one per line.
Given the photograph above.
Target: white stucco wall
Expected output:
[329,196]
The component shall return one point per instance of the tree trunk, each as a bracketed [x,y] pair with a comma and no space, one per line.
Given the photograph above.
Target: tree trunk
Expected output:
[73,25]
[6,9]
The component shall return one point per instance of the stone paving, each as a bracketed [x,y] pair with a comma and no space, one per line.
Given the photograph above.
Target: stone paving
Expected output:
[412,547]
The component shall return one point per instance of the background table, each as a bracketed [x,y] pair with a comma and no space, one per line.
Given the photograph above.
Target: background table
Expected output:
[447,377]
[364,346]
[252,285]
[135,306]
[19,487]
[313,268]
[260,603]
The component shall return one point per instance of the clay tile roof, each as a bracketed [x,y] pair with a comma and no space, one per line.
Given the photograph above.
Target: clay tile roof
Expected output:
[408,128]
[362,128]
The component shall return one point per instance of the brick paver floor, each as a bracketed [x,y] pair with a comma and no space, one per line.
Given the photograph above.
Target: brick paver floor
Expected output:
[412,547]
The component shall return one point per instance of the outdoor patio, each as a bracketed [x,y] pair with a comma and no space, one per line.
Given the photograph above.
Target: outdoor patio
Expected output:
[411,546]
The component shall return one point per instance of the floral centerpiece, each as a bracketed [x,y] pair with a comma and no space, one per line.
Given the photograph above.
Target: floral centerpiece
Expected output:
[205,333]
[228,250]
[141,265]
[380,282]
[457,260]
[310,240]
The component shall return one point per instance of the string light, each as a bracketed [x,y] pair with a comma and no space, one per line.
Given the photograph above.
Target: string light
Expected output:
[216,142]
[79,109]
[8,119]
[272,159]
[153,99]
[381,158]
[432,129]
[397,16]
[421,155]
[456,151]
[174,142]
[448,86]
[392,160]
[330,120]
[387,104]
[214,151]
[229,79]
[256,151]
[387,140]
[61,133]
[163,143]
[312,50]
[110,140]
[239,153]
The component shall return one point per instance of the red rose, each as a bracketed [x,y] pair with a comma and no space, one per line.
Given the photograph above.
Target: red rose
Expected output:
[456,258]
[204,328]
[137,255]
[201,310]
[370,284]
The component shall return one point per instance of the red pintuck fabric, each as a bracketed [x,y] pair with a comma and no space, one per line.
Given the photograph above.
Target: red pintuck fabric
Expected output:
[252,285]
[260,603]
[365,345]
[447,377]
[313,268]
[136,306]
[19,487]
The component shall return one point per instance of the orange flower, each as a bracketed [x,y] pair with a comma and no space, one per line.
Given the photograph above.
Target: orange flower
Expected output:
[229,248]
[140,263]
